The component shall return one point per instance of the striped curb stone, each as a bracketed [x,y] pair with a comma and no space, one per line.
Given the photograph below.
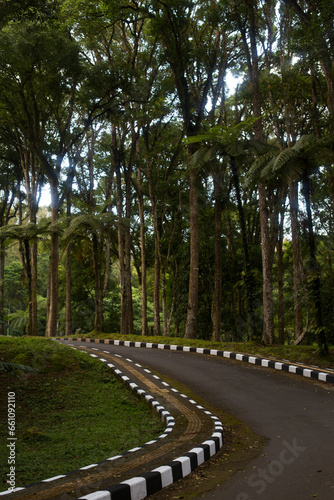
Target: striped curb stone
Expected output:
[312,372]
[138,488]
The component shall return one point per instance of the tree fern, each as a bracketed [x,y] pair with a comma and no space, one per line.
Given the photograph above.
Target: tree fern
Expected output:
[89,222]
[308,152]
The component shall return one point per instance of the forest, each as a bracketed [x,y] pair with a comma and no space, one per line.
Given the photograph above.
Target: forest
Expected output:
[186,150]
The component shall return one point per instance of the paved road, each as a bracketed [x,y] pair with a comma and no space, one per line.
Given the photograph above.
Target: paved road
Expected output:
[294,414]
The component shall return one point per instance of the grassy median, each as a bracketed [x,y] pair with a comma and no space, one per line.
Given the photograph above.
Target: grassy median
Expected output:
[70,412]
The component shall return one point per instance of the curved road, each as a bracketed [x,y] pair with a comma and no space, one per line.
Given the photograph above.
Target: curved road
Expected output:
[296,415]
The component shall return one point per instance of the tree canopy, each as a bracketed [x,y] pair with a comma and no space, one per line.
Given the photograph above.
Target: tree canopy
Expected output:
[187,147]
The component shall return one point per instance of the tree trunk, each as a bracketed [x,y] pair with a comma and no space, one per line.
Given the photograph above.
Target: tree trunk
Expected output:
[124,247]
[250,42]
[231,271]
[156,283]
[144,326]
[68,307]
[191,325]
[314,270]
[26,247]
[297,278]
[98,318]
[52,323]
[68,276]
[249,284]
[127,251]
[124,239]
[157,260]
[268,309]
[164,302]
[217,294]
[280,272]
[33,285]
[121,244]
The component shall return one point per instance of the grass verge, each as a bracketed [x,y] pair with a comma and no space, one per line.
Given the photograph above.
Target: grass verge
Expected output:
[71,413]
[307,354]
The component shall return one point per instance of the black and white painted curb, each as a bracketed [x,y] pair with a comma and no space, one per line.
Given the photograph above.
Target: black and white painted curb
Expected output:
[312,372]
[138,488]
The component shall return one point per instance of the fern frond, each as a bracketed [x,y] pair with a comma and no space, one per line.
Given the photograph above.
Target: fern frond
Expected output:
[12,367]
[257,169]
[304,142]
[203,156]
[81,224]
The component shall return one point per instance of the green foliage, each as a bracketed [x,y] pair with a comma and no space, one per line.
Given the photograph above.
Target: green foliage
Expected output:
[79,430]
[99,86]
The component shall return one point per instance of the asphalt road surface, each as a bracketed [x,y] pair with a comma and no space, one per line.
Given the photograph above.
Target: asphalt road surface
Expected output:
[296,415]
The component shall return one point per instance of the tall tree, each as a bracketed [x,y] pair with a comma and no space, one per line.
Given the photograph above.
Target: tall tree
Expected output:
[192,39]
[248,19]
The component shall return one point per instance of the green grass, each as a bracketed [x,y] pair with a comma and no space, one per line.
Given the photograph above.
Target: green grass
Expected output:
[72,413]
[307,354]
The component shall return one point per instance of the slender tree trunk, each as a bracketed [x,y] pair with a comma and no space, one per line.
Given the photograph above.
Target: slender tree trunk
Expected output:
[315,272]
[98,319]
[28,271]
[280,272]
[68,274]
[144,326]
[107,264]
[191,325]
[249,284]
[52,324]
[121,244]
[127,251]
[328,69]
[171,312]
[124,239]
[268,309]
[68,307]
[250,42]
[157,260]
[297,279]
[157,269]
[217,294]
[124,247]
[68,279]
[33,285]
[231,270]
[164,302]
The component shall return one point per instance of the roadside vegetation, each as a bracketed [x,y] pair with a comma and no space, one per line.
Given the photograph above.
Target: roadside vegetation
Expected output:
[71,412]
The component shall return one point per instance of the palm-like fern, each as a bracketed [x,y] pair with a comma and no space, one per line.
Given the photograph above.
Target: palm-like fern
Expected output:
[308,152]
